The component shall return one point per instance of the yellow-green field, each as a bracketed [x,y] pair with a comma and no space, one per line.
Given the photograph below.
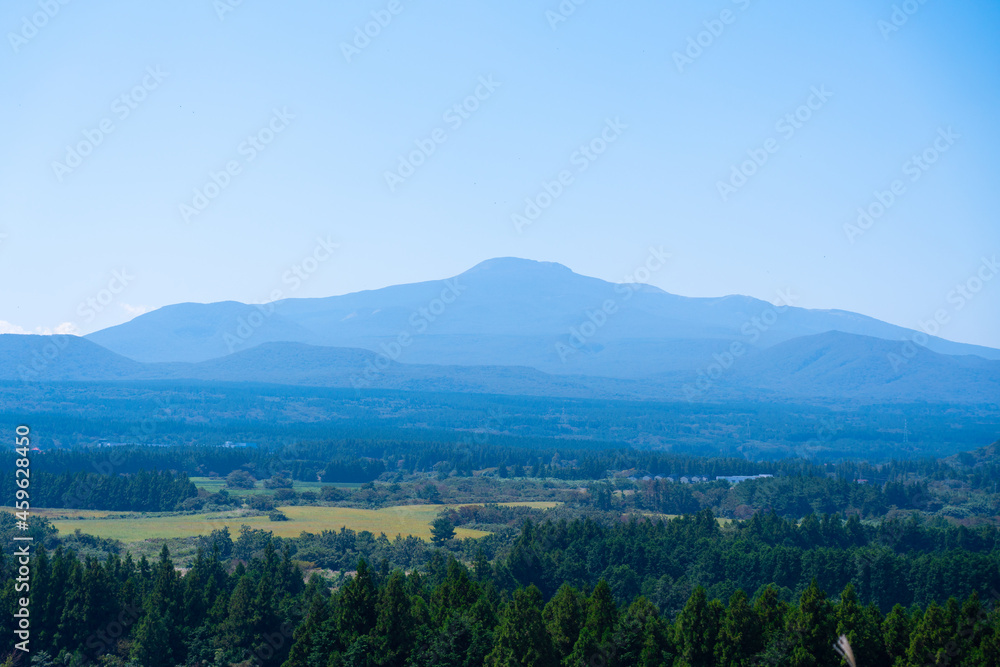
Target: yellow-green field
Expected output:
[403,520]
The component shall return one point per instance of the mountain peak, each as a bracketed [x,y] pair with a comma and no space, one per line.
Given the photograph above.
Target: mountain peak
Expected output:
[516,265]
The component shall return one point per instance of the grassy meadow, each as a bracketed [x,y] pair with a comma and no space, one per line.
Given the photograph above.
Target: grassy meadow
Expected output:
[135,527]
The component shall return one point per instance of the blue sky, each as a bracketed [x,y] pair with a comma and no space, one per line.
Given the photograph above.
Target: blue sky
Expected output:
[199,81]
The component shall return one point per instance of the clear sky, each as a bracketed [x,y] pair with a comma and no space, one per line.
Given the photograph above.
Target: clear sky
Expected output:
[203,81]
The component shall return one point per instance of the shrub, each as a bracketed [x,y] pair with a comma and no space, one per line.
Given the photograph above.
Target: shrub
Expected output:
[261,503]
[279,481]
[331,494]
[240,479]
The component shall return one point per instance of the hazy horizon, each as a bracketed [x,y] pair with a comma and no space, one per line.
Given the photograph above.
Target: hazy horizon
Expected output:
[296,277]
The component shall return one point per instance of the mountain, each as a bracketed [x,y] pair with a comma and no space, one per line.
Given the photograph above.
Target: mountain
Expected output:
[830,367]
[502,312]
[62,358]
[514,326]
[197,331]
[838,365]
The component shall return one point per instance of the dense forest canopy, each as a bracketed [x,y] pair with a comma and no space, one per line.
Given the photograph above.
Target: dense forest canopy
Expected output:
[548,602]
[184,412]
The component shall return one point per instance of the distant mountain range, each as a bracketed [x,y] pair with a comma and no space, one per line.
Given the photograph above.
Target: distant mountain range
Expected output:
[518,326]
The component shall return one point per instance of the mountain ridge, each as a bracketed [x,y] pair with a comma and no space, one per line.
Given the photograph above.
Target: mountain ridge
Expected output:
[831,367]
[502,311]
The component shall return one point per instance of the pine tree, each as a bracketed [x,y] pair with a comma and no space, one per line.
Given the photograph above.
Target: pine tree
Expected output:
[195,601]
[454,646]
[740,637]
[812,630]
[238,628]
[166,596]
[970,627]
[564,616]
[771,612]
[521,639]
[587,651]
[929,639]
[988,651]
[363,652]
[456,594]
[657,648]
[151,647]
[264,622]
[73,620]
[696,630]
[394,625]
[40,598]
[8,604]
[442,530]
[602,613]
[356,608]
[289,576]
[861,627]
[641,637]
[56,597]
[481,567]
[309,642]
[896,629]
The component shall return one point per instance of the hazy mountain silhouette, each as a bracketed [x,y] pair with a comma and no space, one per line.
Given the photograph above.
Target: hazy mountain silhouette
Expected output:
[505,311]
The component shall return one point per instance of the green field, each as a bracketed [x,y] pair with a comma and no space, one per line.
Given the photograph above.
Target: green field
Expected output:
[216,484]
[402,520]
[47,513]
